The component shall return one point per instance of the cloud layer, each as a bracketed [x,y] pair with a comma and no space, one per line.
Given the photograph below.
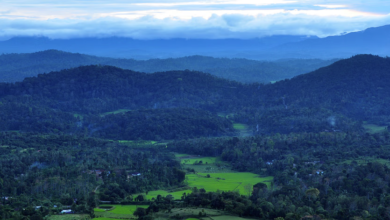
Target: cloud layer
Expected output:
[149,19]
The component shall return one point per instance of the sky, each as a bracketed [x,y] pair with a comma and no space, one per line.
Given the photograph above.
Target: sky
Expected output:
[205,19]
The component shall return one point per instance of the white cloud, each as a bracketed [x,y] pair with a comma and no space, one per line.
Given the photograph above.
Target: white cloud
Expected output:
[188,18]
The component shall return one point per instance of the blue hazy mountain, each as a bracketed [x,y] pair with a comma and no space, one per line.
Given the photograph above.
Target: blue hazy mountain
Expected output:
[370,41]
[16,67]
[146,49]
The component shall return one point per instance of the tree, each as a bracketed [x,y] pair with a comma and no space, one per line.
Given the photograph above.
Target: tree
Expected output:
[312,193]
[140,212]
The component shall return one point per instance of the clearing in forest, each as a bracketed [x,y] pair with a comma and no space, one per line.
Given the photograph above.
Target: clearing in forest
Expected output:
[193,213]
[117,211]
[372,128]
[69,217]
[241,182]
[115,112]
[203,164]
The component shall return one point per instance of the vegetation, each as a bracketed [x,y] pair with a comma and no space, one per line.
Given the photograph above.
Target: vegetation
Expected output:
[306,151]
[16,67]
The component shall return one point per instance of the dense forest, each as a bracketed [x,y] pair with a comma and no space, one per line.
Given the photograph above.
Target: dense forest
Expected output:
[16,67]
[73,134]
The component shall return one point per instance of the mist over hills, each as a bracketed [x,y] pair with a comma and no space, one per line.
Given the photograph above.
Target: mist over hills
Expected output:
[372,41]
[15,67]
[147,49]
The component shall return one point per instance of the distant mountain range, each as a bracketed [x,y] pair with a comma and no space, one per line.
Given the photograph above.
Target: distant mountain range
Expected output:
[147,49]
[371,41]
[15,67]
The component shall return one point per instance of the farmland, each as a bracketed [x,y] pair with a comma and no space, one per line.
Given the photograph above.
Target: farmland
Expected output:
[117,211]
[241,182]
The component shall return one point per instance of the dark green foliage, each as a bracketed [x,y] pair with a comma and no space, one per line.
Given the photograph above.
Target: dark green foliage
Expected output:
[64,167]
[355,87]
[157,124]
[307,134]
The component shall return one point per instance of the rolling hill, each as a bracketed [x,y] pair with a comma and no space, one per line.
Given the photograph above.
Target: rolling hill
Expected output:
[15,67]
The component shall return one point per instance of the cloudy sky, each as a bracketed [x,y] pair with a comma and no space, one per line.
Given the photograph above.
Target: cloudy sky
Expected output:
[150,19]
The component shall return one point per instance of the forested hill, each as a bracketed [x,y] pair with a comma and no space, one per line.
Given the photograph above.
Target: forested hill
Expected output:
[348,92]
[357,87]
[15,67]
[97,89]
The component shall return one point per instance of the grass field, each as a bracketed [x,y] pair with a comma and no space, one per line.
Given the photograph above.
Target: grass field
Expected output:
[217,181]
[372,128]
[192,214]
[239,126]
[181,155]
[70,217]
[118,212]
[209,164]
[104,218]
[205,160]
[365,160]
[115,112]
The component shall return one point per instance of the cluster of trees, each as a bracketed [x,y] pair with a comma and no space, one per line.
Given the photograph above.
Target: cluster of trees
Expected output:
[60,169]
[158,124]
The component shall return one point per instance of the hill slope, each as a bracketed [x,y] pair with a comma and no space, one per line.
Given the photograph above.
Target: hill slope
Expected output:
[336,97]
[369,41]
[15,67]
[148,49]
[357,87]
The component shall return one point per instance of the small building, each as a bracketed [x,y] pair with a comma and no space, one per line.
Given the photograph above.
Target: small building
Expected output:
[133,174]
[66,211]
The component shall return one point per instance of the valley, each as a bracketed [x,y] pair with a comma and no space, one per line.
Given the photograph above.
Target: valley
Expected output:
[187,144]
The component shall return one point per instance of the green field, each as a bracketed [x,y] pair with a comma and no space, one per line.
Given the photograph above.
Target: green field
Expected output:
[118,212]
[181,155]
[205,160]
[104,218]
[365,160]
[176,195]
[239,126]
[115,112]
[137,142]
[217,181]
[192,214]
[209,164]
[70,217]
[372,128]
